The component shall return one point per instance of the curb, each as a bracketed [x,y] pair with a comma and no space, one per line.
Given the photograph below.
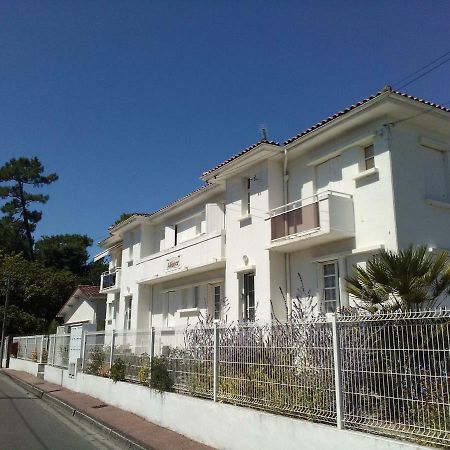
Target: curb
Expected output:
[76,414]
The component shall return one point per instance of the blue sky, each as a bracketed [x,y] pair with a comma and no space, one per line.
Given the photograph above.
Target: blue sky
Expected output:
[130,101]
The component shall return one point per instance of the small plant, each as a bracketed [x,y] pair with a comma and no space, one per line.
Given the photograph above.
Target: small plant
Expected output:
[117,371]
[144,369]
[96,361]
[104,372]
[34,356]
[160,378]
[44,356]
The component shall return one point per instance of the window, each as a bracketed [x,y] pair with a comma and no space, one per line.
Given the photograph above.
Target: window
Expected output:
[246,196]
[248,297]
[195,305]
[330,286]
[217,302]
[436,175]
[130,251]
[369,159]
[128,302]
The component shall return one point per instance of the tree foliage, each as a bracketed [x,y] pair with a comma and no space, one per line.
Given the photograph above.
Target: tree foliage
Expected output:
[12,237]
[16,175]
[411,279]
[123,216]
[35,289]
[64,252]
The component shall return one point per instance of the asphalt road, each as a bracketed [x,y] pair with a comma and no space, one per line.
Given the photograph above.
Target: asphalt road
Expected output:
[28,422]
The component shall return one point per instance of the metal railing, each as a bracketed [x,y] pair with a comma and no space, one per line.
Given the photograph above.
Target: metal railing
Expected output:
[385,373]
[58,350]
[110,278]
[32,348]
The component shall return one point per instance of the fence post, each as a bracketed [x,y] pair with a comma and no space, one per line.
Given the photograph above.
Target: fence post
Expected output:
[54,349]
[83,353]
[216,361]
[42,349]
[337,371]
[111,354]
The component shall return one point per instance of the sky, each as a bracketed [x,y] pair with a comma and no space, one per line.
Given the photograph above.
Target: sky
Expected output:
[130,101]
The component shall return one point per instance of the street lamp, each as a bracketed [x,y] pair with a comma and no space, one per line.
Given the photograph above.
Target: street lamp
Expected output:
[2,342]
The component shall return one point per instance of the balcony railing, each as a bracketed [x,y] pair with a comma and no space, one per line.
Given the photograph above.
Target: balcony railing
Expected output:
[322,213]
[110,280]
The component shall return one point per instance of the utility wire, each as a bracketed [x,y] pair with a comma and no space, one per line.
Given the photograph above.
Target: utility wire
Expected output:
[422,68]
[425,73]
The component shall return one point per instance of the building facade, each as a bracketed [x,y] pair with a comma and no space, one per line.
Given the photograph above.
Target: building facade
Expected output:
[276,223]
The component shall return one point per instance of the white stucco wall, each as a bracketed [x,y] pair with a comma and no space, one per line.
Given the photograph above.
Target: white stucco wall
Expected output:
[210,423]
[418,222]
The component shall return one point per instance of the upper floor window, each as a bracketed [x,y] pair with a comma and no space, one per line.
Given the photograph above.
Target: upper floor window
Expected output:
[436,174]
[130,250]
[246,197]
[369,157]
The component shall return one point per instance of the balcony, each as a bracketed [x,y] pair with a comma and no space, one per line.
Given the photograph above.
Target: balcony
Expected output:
[203,253]
[321,218]
[110,281]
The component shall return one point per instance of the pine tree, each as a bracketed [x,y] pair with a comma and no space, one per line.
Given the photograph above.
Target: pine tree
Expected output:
[19,173]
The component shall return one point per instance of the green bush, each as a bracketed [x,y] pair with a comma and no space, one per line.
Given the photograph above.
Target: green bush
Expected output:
[118,370]
[95,361]
[160,378]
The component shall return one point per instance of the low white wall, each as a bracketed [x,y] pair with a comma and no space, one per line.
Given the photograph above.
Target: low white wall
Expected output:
[23,365]
[219,425]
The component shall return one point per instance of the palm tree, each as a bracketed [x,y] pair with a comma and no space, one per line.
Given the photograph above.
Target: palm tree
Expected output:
[409,280]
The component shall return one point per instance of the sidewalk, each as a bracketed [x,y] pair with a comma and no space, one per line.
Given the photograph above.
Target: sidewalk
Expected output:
[137,430]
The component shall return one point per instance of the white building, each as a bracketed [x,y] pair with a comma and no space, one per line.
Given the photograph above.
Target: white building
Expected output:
[375,175]
[86,305]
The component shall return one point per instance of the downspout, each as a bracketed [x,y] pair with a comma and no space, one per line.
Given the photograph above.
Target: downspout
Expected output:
[287,256]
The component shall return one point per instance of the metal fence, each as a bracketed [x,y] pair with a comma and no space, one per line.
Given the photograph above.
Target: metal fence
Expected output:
[32,348]
[386,373]
[395,374]
[58,350]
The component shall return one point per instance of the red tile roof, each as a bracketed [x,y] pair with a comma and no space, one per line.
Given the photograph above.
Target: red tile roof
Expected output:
[362,102]
[242,152]
[90,291]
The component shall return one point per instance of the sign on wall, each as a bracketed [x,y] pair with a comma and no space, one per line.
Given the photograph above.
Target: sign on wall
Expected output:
[173,263]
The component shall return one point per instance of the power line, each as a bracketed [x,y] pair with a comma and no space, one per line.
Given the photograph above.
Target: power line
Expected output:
[425,73]
[422,68]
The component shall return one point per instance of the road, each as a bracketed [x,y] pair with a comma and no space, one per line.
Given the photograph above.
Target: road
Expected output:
[28,422]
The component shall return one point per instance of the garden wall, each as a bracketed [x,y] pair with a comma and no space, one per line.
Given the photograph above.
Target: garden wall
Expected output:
[24,365]
[211,423]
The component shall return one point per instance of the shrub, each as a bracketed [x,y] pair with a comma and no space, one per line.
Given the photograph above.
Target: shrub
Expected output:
[160,378]
[117,371]
[96,361]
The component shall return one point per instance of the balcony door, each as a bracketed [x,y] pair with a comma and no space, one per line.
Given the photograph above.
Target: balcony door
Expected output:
[329,176]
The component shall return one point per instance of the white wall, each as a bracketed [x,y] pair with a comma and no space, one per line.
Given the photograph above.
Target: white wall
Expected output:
[81,311]
[210,423]
[418,222]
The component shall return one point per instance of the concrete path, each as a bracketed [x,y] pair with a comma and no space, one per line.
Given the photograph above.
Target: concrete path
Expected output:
[140,432]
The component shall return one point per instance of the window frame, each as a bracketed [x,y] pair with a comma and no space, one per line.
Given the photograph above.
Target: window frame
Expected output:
[128,312]
[217,301]
[248,297]
[336,301]
[369,160]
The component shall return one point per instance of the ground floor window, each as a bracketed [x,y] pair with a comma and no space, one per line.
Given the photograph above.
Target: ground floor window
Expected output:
[330,296]
[128,302]
[248,297]
[217,302]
